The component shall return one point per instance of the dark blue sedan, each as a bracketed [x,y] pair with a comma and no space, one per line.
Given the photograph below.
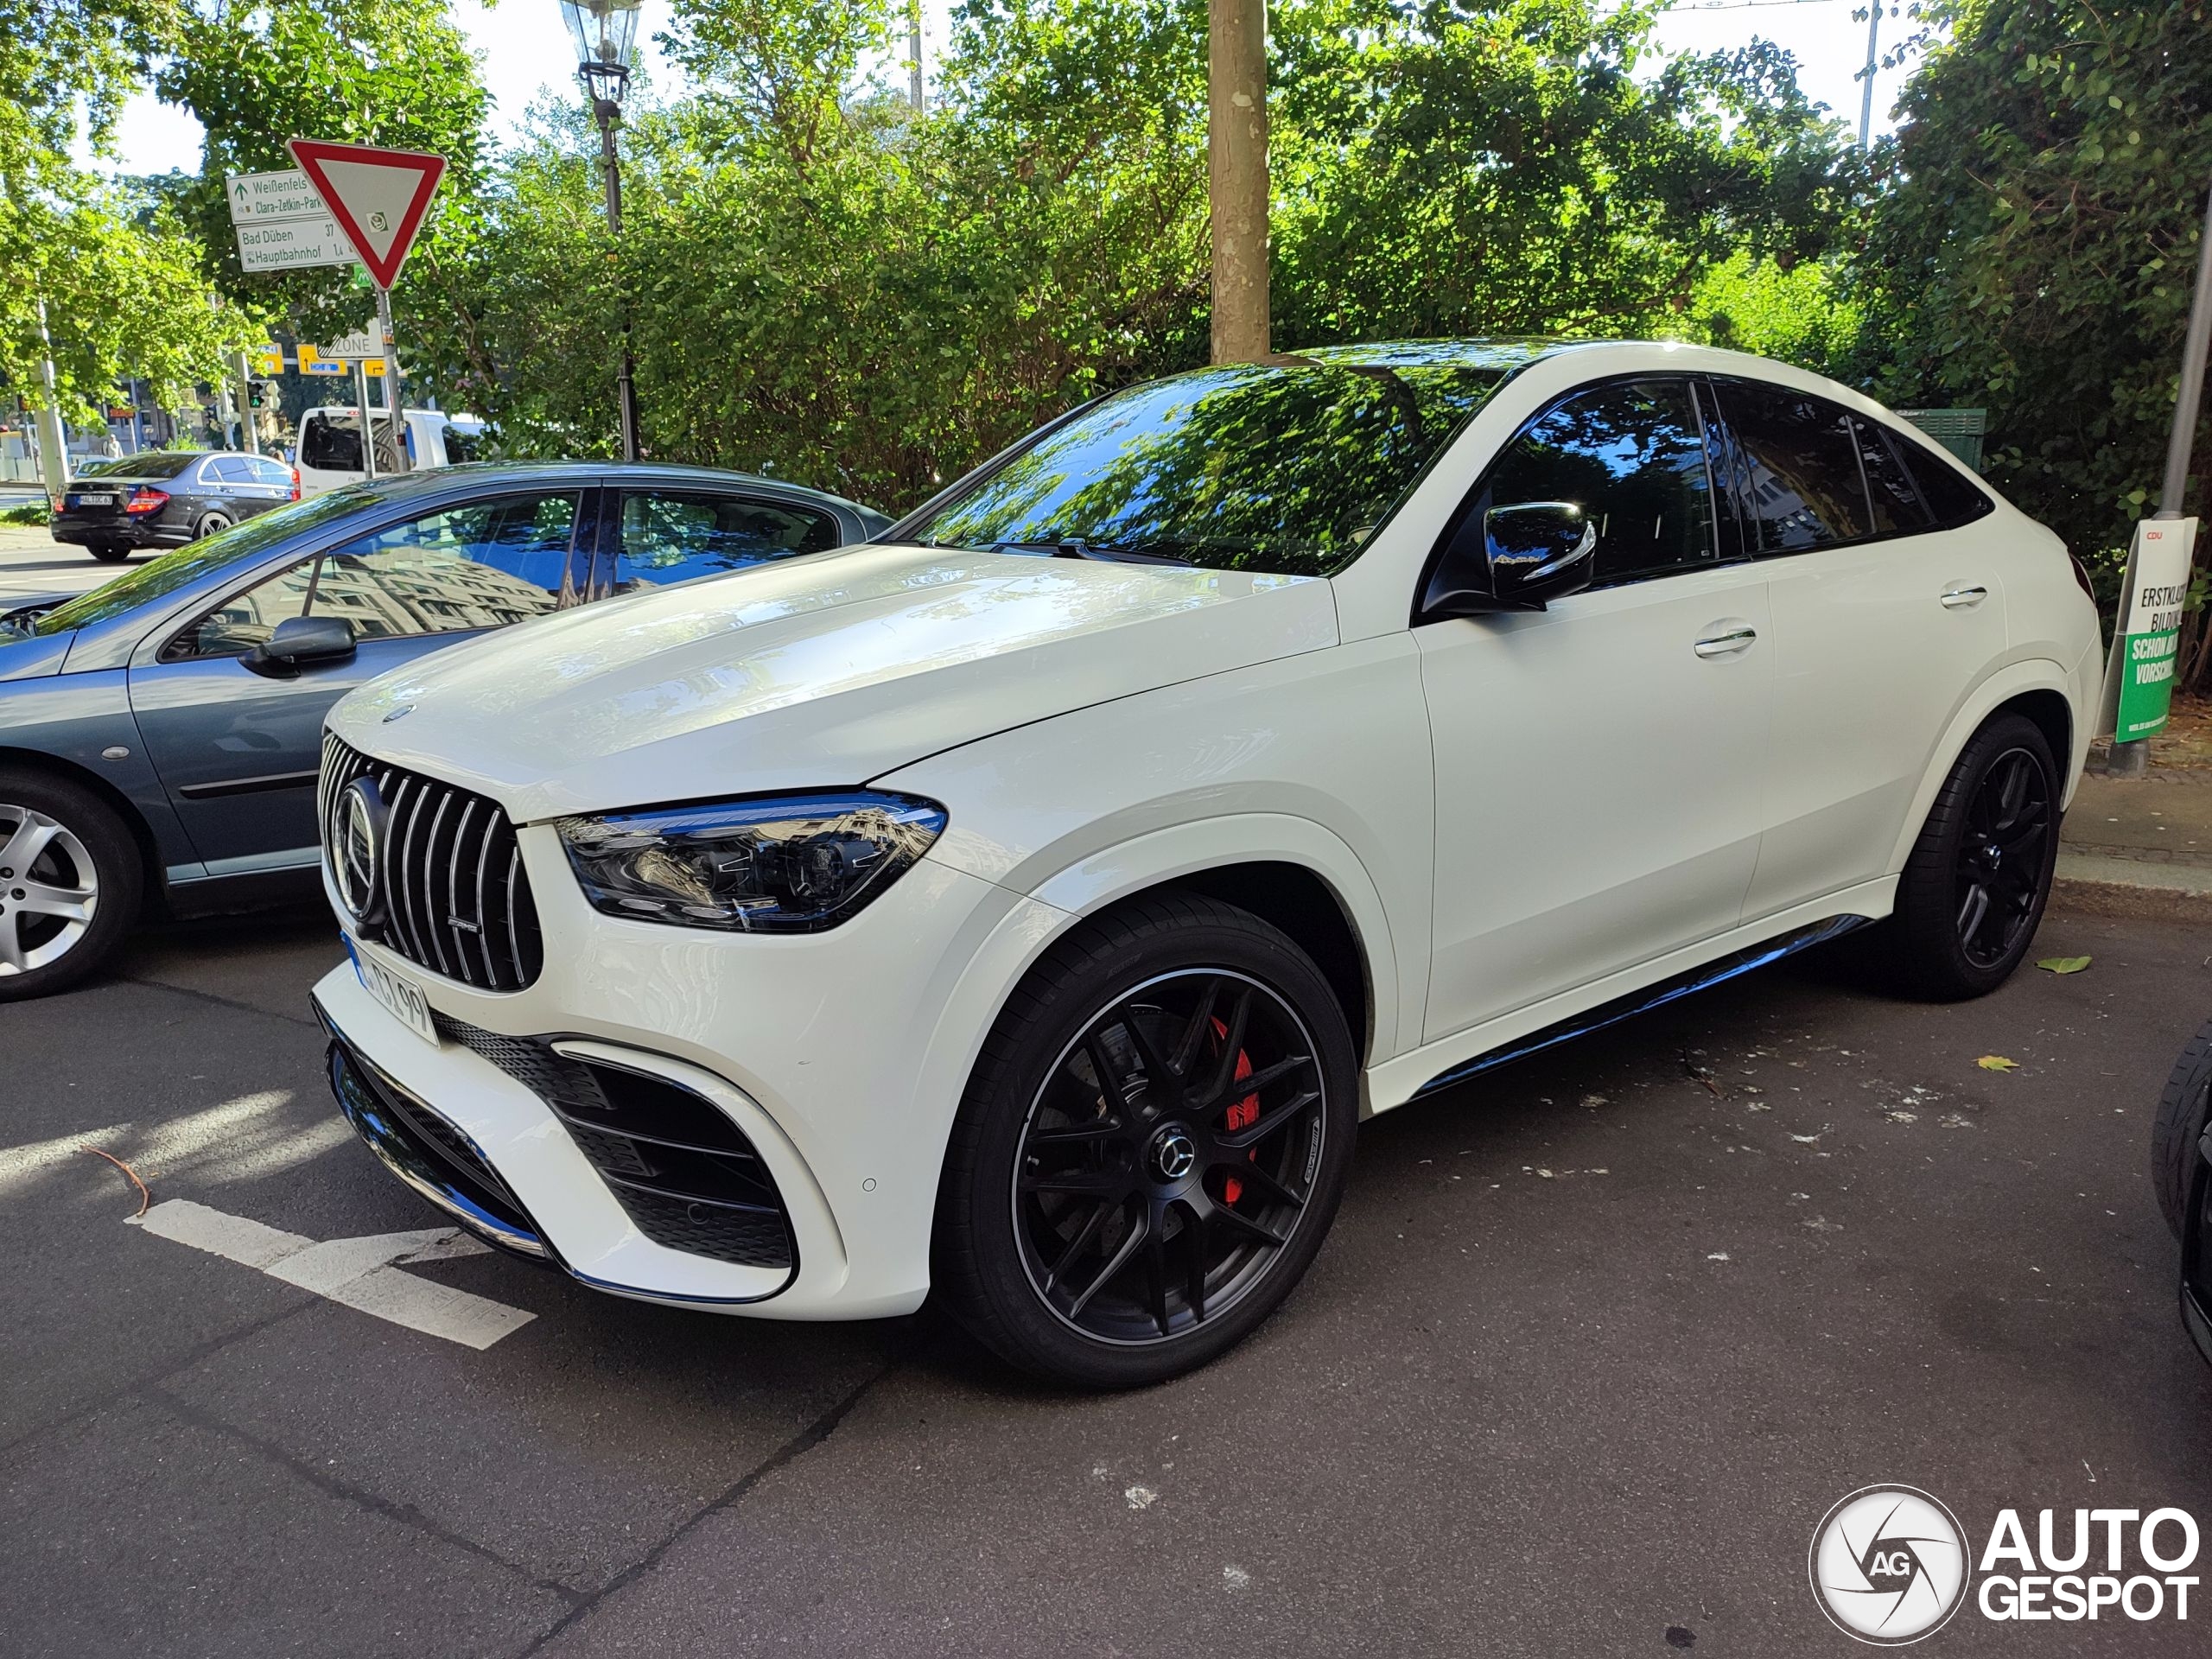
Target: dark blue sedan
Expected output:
[159,736]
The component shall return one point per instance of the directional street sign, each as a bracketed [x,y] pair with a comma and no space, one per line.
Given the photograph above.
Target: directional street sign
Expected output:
[273,196]
[282,223]
[377,196]
[269,359]
[311,363]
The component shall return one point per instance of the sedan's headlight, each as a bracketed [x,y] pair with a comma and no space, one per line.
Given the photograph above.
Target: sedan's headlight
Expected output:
[793,864]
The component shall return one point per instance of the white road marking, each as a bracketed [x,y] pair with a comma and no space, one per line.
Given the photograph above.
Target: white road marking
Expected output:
[363,1273]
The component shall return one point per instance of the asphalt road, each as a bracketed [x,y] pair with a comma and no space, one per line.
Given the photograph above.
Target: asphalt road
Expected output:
[32,562]
[1594,1345]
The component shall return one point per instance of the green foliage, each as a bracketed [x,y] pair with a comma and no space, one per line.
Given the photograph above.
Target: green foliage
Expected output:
[117,274]
[825,286]
[2035,247]
[1798,313]
[1518,168]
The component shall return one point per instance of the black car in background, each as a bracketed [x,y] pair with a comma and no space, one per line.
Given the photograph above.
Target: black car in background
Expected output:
[166,497]
[2180,1174]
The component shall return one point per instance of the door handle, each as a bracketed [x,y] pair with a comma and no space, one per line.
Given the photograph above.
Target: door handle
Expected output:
[1725,645]
[1956,599]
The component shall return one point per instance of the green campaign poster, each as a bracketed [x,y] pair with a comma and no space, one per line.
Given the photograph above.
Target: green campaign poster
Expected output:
[2148,639]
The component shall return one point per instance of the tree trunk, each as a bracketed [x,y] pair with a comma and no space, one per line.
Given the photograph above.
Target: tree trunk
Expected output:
[1237,176]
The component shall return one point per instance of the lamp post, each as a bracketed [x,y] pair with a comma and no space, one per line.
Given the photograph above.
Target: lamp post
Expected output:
[605,35]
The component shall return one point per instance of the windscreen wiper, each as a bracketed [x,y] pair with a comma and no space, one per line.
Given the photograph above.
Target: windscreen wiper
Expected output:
[1074,547]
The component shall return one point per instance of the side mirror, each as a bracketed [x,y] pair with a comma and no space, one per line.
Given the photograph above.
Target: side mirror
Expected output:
[301,642]
[1525,555]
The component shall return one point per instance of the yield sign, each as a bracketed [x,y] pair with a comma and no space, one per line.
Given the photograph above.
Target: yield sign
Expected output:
[377,197]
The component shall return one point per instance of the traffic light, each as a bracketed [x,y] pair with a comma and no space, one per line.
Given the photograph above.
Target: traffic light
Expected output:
[258,394]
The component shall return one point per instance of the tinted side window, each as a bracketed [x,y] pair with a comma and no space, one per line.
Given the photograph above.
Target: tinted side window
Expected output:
[670,536]
[1897,507]
[1950,496]
[1632,457]
[1801,482]
[482,565]
[226,469]
[273,473]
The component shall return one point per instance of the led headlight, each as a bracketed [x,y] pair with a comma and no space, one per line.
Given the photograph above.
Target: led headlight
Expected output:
[792,864]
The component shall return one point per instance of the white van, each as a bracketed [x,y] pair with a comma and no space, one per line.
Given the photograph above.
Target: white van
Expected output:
[330,443]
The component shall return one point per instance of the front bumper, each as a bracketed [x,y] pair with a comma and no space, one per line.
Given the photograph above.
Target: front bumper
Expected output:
[840,1056]
[2197,1254]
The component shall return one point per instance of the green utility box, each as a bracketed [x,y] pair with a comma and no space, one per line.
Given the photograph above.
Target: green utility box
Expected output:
[1958,431]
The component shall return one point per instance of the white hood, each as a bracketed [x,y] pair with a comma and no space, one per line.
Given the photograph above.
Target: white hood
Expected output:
[827,670]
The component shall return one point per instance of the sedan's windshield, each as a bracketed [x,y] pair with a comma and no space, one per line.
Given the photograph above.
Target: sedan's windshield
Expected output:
[1285,468]
[188,563]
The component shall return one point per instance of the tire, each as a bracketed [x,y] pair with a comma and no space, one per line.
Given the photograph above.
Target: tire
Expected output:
[78,847]
[1177,987]
[2180,1126]
[1940,945]
[109,552]
[210,524]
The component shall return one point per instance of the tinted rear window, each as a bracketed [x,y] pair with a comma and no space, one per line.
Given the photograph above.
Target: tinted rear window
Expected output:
[157,463]
[1949,494]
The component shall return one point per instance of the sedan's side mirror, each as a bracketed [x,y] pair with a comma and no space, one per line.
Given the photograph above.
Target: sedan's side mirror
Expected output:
[301,642]
[1520,556]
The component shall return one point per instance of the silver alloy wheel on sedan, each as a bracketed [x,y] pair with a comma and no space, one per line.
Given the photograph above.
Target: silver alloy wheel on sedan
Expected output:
[49,889]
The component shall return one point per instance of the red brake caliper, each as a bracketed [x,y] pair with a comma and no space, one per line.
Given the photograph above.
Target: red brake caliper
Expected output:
[1242,1115]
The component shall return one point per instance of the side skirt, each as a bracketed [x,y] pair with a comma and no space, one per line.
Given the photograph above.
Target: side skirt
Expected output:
[1667,990]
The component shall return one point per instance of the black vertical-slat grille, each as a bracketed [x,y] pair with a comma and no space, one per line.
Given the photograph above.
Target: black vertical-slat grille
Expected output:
[456,898]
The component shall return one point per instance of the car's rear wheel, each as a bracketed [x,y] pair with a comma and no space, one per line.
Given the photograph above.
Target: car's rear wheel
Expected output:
[210,523]
[2182,1110]
[1151,1147]
[1974,888]
[70,883]
[109,552]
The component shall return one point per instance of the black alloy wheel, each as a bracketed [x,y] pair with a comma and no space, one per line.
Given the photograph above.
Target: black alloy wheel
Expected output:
[1152,1145]
[2001,858]
[1973,888]
[1169,1155]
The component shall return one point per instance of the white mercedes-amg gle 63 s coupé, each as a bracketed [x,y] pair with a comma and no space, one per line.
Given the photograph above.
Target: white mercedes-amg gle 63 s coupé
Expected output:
[1027,906]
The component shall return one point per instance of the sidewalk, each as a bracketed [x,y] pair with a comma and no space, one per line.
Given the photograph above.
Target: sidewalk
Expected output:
[2145,845]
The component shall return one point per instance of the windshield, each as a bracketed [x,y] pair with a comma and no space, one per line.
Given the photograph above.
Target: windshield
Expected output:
[175,571]
[155,463]
[1284,468]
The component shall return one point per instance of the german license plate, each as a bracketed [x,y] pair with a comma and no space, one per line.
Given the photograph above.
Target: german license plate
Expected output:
[400,998]
[91,500]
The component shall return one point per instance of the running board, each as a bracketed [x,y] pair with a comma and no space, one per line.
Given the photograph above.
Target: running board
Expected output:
[1666,991]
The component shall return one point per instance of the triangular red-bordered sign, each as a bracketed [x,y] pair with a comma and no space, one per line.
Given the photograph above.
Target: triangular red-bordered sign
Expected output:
[377,197]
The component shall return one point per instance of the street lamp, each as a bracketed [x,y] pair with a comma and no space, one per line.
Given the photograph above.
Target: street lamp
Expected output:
[606,34]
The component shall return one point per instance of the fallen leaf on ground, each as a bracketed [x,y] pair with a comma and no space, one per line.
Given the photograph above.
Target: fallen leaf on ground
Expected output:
[1997,1062]
[2064,965]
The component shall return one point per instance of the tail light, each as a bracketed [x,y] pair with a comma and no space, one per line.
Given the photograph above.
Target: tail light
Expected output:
[295,483]
[146,500]
[2082,575]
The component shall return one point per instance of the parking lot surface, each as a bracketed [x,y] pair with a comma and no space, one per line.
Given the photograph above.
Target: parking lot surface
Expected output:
[1595,1344]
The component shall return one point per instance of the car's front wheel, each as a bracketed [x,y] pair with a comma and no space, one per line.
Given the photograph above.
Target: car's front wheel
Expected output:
[1974,888]
[70,883]
[1151,1147]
